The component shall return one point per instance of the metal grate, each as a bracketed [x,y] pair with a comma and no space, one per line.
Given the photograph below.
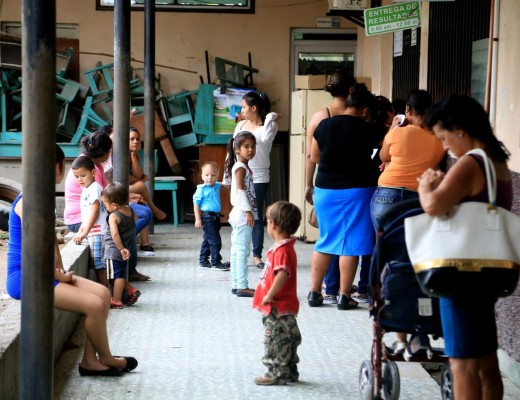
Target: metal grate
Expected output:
[406,67]
[454,26]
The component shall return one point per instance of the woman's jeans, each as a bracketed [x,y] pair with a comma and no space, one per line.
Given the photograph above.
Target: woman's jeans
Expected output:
[240,249]
[384,198]
[258,229]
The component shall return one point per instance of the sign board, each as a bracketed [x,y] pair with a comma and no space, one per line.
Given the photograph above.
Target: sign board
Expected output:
[396,17]
[348,4]
[328,22]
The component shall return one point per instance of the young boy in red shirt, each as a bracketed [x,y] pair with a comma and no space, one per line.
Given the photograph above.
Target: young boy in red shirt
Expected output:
[275,297]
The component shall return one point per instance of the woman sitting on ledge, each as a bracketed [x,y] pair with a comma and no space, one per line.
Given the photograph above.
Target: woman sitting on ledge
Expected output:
[71,293]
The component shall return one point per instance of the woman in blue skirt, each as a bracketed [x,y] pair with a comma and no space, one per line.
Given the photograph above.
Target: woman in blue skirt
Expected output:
[346,179]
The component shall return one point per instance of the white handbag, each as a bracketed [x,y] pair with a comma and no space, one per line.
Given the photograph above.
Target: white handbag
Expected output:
[474,249]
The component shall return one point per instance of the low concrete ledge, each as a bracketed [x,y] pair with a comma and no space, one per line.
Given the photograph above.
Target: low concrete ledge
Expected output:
[75,258]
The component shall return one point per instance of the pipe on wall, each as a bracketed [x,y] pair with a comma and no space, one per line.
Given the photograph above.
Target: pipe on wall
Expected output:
[494,64]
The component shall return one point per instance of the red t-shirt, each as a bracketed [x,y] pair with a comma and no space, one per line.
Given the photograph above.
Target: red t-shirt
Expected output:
[280,256]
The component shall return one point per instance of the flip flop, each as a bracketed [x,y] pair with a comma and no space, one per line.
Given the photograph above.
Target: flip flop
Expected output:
[138,277]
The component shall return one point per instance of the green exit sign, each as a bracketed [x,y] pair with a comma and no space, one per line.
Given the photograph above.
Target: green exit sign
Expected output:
[396,17]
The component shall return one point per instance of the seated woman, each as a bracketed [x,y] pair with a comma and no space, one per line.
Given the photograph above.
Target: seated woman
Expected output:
[71,293]
[138,177]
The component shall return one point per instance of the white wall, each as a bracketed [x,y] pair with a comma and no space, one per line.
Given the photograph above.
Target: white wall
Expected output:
[507,125]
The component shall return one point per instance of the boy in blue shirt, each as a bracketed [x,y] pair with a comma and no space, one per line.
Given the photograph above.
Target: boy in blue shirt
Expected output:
[206,205]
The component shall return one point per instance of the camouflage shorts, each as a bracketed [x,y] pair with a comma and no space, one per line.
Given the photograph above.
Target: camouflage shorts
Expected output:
[281,339]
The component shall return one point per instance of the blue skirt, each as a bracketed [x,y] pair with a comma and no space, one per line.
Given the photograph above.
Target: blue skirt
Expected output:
[468,326]
[344,219]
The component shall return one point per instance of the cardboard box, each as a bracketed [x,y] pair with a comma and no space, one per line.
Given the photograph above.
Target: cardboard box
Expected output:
[310,81]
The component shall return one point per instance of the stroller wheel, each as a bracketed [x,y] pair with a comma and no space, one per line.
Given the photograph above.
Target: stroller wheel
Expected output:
[446,383]
[391,381]
[366,381]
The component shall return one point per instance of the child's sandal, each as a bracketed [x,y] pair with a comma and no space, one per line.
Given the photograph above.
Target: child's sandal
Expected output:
[132,296]
[115,304]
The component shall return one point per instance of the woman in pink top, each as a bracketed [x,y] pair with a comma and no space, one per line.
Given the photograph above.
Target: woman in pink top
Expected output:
[97,146]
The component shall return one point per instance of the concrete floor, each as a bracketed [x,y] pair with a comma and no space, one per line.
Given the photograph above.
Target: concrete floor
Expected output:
[195,340]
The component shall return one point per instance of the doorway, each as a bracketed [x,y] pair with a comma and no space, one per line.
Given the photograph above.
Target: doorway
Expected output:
[320,51]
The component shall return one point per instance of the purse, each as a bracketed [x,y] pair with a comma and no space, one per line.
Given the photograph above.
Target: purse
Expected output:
[473,250]
[313,220]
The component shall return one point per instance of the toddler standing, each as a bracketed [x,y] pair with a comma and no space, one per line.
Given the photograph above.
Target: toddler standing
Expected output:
[118,241]
[241,149]
[93,214]
[276,298]
[206,205]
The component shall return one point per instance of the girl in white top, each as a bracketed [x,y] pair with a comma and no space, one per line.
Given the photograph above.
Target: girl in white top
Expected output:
[261,123]
[241,149]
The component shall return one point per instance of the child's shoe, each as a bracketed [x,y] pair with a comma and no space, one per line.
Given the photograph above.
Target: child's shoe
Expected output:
[115,304]
[221,266]
[132,296]
[268,381]
[205,265]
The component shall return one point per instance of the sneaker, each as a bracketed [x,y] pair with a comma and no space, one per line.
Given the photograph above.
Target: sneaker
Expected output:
[205,265]
[221,266]
[399,347]
[329,298]
[268,381]
[360,297]
[245,292]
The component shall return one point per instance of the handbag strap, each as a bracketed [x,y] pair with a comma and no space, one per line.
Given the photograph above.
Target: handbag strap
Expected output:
[491,176]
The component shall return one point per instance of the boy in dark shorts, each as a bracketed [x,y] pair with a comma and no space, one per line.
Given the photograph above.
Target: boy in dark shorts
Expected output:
[118,239]
[275,297]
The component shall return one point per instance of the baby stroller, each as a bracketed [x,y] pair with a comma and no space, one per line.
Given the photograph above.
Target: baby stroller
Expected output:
[399,305]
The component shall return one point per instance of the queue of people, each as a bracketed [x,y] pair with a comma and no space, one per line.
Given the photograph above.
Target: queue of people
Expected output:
[411,158]
[352,190]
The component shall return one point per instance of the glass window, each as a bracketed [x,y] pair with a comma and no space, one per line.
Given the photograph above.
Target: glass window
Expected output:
[324,63]
[230,6]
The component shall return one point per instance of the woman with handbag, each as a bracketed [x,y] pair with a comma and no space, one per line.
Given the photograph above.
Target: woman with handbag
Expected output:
[468,323]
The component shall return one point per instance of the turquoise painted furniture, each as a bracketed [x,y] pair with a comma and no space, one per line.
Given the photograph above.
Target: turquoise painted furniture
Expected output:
[204,117]
[178,112]
[171,184]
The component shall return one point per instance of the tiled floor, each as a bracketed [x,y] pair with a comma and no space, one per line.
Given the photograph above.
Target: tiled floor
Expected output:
[195,340]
